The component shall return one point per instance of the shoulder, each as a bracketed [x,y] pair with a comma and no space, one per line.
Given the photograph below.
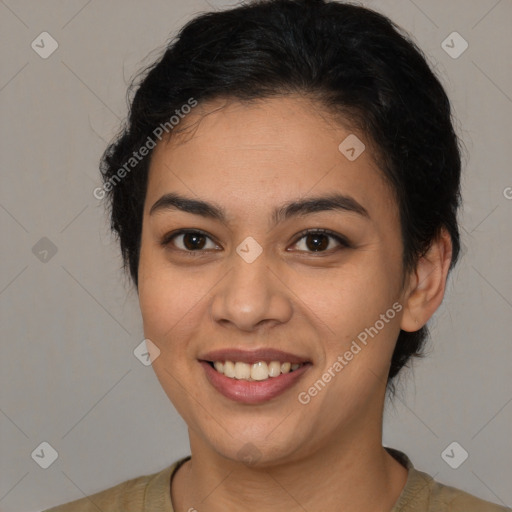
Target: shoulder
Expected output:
[424,494]
[449,499]
[115,498]
[133,495]
[128,495]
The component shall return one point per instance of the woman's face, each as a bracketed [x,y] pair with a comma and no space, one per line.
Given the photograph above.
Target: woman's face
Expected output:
[252,280]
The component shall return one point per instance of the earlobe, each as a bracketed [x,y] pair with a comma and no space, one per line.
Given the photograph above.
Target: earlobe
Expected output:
[427,284]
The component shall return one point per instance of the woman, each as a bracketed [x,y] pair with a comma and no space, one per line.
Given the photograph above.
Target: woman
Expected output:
[285,195]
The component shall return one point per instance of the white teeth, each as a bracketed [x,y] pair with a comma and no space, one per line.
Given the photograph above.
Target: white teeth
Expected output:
[242,370]
[229,369]
[274,369]
[257,371]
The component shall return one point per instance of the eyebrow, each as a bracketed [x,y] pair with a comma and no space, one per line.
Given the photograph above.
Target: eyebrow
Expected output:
[300,207]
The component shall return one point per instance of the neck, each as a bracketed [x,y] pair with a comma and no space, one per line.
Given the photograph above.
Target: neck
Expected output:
[355,475]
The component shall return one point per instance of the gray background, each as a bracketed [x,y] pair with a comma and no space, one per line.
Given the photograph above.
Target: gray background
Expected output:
[70,322]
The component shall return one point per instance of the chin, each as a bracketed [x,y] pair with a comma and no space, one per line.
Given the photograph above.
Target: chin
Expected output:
[263,448]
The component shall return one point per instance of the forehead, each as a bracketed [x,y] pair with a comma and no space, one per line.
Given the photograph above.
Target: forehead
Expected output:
[263,152]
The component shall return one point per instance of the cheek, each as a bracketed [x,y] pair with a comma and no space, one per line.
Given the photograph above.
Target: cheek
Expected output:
[162,298]
[172,300]
[348,308]
[168,301]
[348,298]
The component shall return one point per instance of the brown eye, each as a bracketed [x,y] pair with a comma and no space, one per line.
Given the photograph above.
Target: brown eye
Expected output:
[319,240]
[188,240]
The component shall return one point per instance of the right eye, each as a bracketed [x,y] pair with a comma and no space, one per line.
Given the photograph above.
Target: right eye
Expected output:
[188,240]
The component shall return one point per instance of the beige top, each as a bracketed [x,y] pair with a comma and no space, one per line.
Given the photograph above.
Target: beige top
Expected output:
[152,493]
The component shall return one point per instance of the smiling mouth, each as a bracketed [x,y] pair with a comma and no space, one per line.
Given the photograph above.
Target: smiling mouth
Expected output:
[259,371]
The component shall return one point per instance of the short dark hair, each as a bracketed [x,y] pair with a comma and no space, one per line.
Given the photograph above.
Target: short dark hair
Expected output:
[352,60]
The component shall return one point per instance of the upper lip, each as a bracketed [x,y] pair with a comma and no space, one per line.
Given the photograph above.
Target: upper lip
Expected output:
[252,356]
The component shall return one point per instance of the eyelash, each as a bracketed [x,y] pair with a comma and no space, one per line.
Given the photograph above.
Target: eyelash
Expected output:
[344,243]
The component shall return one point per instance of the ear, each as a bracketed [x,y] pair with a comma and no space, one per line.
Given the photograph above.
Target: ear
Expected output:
[426,285]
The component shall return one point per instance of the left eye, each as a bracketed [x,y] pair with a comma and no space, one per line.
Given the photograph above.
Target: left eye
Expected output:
[318,240]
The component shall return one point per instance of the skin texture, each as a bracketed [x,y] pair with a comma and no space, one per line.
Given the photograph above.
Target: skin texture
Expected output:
[249,159]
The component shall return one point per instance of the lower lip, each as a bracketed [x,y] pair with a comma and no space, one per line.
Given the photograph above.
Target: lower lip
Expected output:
[252,392]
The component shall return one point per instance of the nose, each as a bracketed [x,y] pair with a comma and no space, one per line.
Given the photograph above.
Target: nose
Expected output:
[251,296]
